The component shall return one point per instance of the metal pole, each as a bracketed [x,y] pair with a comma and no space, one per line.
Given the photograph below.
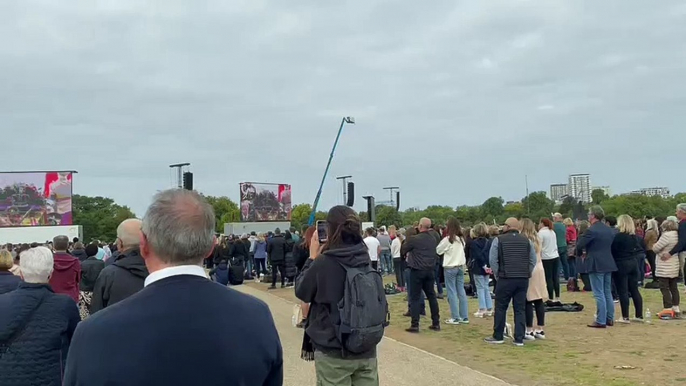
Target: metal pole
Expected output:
[528,199]
[326,171]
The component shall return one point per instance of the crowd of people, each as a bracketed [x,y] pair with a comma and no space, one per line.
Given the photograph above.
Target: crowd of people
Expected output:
[138,302]
[63,303]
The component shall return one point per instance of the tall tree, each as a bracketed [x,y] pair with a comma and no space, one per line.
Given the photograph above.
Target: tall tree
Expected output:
[99,216]
[598,196]
[537,205]
[493,207]
[388,215]
[225,211]
[567,207]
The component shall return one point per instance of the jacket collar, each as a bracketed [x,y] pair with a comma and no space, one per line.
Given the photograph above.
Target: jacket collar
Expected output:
[35,286]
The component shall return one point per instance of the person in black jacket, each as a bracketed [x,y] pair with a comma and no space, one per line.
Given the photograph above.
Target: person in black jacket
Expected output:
[301,253]
[276,253]
[422,264]
[478,253]
[90,270]
[627,250]
[125,276]
[289,260]
[174,320]
[36,325]
[322,283]
[79,252]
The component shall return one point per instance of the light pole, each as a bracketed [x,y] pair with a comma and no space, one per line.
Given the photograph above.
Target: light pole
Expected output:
[345,120]
[345,188]
[392,189]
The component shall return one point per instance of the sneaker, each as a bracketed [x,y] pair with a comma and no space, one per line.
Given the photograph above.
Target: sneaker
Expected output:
[539,335]
[489,313]
[529,336]
[616,300]
[453,322]
[638,320]
[272,287]
[413,329]
[518,344]
[435,327]
[492,340]
[624,321]
[479,314]
[596,325]
[464,321]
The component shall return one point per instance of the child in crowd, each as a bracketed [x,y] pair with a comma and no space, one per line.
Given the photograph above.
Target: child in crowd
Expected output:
[220,273]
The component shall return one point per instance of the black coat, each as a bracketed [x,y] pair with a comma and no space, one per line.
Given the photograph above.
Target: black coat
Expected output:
[40,325]
[276,249]
[291,269]
[79,254]
[176,320]
[301,254]
[241,251]
[120,280]
[8,281]
[90,270]
[479,254]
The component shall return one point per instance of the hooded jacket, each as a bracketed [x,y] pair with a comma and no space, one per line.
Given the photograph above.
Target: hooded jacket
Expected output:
[39,324]
[116,282]
[79,254]
[90,270]
[322,283]
[66,275]
[221,273]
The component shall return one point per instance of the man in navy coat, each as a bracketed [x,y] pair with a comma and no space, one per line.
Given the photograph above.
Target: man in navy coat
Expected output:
[167,333]
[597,242]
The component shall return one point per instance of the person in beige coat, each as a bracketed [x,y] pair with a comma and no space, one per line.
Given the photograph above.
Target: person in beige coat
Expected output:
[667,269]
[537,292]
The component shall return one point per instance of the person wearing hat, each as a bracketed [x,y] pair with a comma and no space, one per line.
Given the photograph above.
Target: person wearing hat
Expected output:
[512,258]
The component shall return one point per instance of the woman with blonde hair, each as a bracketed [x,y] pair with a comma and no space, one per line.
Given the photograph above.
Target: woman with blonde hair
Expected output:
[651,235]
[627,250]
[478,252]
[537,291]
[667,270]
[8,281]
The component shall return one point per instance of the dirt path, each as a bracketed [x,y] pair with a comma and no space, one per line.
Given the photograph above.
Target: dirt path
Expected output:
[399,363]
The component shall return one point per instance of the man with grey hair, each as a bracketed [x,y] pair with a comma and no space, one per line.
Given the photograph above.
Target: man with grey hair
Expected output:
[174,319]
[124,276]
[680,248]
[36,325]
[422,262]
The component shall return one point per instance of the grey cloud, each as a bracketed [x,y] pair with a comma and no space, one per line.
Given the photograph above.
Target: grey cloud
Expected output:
[454,102]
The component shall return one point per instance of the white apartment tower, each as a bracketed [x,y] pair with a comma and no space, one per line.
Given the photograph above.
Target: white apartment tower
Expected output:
[558,191]
[580,187]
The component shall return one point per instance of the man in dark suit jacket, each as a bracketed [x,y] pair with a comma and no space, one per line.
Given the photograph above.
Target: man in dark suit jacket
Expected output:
[166,333]
[597,242]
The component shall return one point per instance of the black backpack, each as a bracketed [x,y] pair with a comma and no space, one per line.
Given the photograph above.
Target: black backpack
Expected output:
[363,310]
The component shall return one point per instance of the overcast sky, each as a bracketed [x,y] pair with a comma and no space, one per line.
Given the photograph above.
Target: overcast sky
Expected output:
[455,101]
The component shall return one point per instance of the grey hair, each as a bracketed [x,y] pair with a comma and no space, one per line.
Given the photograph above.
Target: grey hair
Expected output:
[179,227]
[36,265]
[681,207]
[597,212]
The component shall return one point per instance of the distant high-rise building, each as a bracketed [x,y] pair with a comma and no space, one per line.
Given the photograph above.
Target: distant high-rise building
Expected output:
[580,187]
[558,191]
[605,189]
[661,191]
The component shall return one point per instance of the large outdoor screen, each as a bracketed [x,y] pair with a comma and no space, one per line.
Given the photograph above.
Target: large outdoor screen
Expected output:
[265,202]
[35,198]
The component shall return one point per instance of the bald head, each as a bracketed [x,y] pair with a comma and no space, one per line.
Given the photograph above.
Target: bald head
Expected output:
[512,224]
[424,224]
[128,233]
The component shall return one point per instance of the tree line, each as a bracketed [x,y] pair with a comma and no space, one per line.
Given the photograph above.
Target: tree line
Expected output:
[100,216]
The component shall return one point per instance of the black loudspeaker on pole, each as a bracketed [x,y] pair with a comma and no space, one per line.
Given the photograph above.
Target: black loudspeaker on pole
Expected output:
[397,201]
[351,194]
[188,181]
[371,208]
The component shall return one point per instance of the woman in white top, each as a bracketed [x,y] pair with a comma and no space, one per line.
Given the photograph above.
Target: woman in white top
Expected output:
[550,257]
[454,267]
[398,263]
